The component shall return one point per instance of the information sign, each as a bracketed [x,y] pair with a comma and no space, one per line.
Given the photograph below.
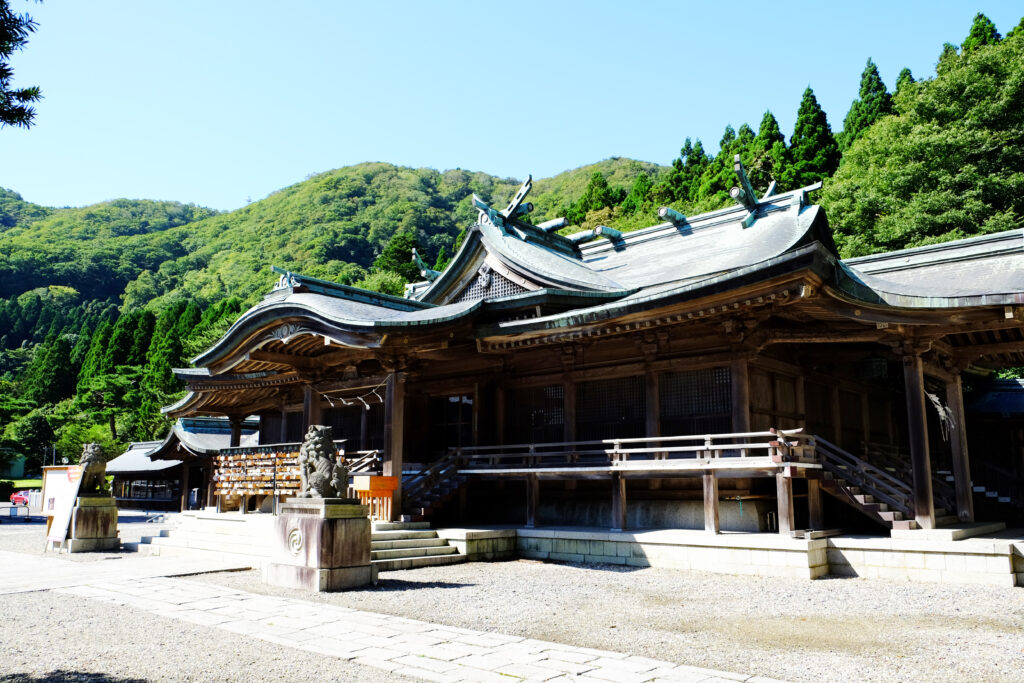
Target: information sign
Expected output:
[60,489]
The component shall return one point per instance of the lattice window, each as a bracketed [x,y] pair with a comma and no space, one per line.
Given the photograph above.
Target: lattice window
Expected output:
[696,402]
[490,285]
[611,408]
[451,419]
[535,415]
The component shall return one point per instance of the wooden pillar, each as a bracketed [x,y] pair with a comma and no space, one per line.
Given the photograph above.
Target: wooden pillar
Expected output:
[394,433]
[284,426]
[499,415]
[917,429]
[740,395]
[837,419]
[653,422]
[865,416]
[569,400]
[185,467]
[310,406]
[784,490]
[958,449]
[711,503]
[815,512]
[236,430]
[212,499]
[532,500]
[364,430]
[618,502]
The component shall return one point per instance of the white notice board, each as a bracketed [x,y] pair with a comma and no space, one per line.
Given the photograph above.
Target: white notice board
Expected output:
[60,489]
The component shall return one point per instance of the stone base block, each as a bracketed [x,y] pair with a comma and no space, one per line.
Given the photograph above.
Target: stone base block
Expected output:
[321,545]
[318,580]
[93,525]
[92,545]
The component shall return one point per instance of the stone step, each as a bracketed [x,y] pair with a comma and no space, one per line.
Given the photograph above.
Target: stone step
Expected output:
[399,526]
[415,562]
[191,543]
[409,543]
[397,553]
[402,535]
[946,520]
[194,536]
[955,532]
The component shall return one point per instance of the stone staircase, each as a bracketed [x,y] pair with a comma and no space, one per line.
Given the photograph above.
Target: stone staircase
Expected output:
[408,545]
[232,537]
[427,490]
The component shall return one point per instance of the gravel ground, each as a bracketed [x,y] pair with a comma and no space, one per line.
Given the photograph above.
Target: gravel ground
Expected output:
[831,629]
[67,638]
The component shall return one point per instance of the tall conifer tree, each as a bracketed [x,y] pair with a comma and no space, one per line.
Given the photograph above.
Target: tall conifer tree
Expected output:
[814,149]
[769,156]
[92,365]
[983,32]
[874,102]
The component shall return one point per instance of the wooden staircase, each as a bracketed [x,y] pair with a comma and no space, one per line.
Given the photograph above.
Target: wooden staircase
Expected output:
[869,488]
[408,545]
[432,487]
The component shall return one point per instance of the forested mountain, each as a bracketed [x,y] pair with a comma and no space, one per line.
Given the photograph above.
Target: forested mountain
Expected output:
[97,304]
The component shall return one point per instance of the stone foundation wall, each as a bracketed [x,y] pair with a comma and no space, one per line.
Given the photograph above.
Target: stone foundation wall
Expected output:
[747,515]
[990,563]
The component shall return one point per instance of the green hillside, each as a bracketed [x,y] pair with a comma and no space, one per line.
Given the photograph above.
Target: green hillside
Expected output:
[99,303]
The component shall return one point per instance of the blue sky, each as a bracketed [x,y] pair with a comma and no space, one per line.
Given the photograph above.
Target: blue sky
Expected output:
[221,102]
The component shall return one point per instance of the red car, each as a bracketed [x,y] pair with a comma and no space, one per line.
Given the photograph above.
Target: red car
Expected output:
[20,498]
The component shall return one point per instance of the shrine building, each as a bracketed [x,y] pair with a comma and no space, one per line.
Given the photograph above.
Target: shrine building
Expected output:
[726,372]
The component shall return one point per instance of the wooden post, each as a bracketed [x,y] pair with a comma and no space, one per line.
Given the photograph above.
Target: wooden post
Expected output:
[364,430]
[958,448]
[532,500]
[569,400]
[917,429]
[394,433]
[711,503]
[740,395]
[185,467]
[784,490]
[653,425]
[284,426]
[618,502]
[837,419]
[236,430]
[815,513]
[865,415]
[499,415]
[310,406]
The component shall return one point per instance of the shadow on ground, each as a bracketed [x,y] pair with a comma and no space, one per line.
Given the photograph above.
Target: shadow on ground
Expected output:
[63,675]
[400,585]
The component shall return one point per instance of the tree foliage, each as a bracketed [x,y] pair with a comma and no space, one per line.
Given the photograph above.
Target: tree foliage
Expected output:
[15,109]
[873,103]
[949,164]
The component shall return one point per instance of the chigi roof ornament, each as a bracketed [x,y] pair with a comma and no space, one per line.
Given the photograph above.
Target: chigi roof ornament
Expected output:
[516,207]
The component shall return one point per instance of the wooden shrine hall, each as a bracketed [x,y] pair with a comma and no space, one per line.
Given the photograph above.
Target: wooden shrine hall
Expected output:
[727,371]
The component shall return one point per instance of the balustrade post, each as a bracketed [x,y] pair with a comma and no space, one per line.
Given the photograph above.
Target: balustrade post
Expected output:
[711,523]
[532,500]
[784,491]
[618,502]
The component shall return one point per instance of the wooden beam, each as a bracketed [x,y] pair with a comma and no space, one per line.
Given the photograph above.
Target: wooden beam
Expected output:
[711,503]
[301,362]
[917,429]
[618,502]
[816,514]
[958,451]
[532,500]
[977,350]
[394,434]
[784,491]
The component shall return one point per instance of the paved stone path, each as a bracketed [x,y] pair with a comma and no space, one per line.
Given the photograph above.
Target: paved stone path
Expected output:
[396,644]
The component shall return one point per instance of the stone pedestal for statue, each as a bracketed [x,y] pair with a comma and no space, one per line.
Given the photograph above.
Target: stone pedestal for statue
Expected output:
[93,525]
[321,544]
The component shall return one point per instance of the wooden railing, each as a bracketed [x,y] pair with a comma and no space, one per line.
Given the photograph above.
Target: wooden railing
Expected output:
[896,461]
[870,478]
[789,443]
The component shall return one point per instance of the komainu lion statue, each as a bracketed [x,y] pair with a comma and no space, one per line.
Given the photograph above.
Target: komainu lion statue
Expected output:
[321,473]
[94,471]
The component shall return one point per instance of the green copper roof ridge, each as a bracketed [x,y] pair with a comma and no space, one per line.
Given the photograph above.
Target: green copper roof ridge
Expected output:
[352,293]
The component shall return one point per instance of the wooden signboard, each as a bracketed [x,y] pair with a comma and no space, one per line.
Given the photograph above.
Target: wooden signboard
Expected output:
[60,489]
